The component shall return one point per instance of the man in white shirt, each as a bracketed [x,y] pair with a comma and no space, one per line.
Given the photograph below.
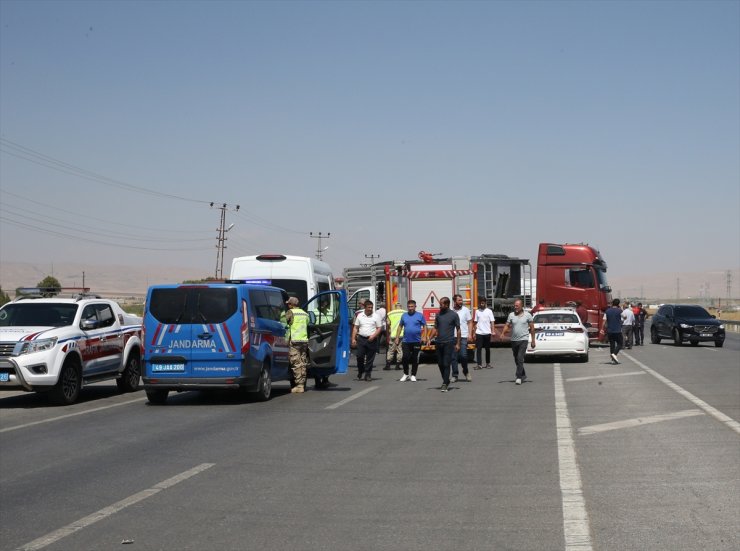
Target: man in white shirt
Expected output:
[483,332]
[628,321]
[466,329]
[365,334]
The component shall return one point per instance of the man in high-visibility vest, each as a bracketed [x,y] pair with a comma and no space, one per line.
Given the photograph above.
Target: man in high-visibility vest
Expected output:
[393,354]
[297,335]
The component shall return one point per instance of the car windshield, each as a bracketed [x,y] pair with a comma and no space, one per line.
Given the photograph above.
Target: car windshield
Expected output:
[38,314]
[556,318]
[691,312]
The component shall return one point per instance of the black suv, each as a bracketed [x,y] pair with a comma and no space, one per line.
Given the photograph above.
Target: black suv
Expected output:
[686,322]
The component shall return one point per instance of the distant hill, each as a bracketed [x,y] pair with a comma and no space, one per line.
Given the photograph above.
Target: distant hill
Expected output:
[124,280]
[107,280]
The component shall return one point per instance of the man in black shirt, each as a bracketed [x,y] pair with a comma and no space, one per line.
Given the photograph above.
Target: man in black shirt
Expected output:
[447,331]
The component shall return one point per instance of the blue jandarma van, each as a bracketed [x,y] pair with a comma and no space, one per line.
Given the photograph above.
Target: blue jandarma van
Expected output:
[232,336]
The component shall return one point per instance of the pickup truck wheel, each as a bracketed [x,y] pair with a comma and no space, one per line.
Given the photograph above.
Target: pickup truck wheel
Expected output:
[129,379]
[677,338]
[67,389]
[654,337]
[264,387]
[157,396]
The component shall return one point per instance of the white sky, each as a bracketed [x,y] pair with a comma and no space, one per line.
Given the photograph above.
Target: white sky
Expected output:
[453,127]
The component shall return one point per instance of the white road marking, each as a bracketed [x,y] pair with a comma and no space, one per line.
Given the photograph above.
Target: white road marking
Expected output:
[575,518]
[353,397]
[721,417]
[84,522]
[68,415]
[608,376]
[636,422]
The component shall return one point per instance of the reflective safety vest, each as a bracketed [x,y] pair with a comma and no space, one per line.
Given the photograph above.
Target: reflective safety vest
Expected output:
[394,316]
[298,328]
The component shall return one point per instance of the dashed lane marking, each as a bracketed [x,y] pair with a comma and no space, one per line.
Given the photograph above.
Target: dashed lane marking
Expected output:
[638,421]
[607,376]
[353,397]
[104,513]
[721,417]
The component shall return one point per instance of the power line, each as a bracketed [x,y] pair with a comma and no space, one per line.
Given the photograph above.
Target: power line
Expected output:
[319,250]
[221,241]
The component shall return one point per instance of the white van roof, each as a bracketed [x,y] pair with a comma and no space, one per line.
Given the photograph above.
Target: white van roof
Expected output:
[278,265]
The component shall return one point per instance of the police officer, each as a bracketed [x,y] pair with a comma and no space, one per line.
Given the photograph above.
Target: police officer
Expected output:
[297,320]
[394,345]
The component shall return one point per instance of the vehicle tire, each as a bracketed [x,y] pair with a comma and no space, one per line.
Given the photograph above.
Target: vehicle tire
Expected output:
[694,343]
[157,397]
[654,337]
[264,386]
[584,358]
[129,379]
[67,389]
[719,344]
[677,338]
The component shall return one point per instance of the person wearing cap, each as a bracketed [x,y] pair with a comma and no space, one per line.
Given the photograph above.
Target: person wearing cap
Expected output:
[393,354]
[297,335]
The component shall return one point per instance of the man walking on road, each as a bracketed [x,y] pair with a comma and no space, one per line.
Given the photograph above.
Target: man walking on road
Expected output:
[628,321]
[613,329]
[297,334]
[521,325]
[639,330]
[365,333]
[466,328]
[393,353]
[483,333]
[411,325]
[447,331]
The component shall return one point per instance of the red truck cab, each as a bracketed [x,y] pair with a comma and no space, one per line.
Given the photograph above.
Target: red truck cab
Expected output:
[574,272]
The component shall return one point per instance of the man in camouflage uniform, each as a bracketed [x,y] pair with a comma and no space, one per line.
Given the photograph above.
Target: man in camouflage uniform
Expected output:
[297,335]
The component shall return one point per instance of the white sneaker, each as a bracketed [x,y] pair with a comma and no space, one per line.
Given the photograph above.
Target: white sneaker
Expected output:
[453,379]
[518,381]
[403,378]
[413,378]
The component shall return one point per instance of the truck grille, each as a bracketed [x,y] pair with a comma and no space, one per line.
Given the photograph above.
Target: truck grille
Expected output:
[6,348]
[705,328]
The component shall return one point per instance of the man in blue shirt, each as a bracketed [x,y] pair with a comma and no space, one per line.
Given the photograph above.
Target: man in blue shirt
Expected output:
[613,325]
[412,324]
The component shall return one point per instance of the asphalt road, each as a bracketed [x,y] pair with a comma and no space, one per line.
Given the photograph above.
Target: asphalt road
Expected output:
[643,455]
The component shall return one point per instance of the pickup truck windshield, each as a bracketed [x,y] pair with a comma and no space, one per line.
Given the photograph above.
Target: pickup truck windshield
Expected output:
[38,314]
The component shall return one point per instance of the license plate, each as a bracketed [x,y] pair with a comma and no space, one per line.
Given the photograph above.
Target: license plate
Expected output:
[167,368]
[4,377]
[554,333]
[705,335]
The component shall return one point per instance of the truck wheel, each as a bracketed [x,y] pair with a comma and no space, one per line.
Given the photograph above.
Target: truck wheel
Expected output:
[677,338]
[129,379]
[654,337]
[67,389]
[157,397]
[264,387]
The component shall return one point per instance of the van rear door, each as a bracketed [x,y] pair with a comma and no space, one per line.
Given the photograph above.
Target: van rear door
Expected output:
[168,332]
[328,333]
[216,348]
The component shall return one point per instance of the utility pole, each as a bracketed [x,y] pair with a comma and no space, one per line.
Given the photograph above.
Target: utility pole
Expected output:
[221,239]
[729,286]
[319,250]
[678,288]
[372,258]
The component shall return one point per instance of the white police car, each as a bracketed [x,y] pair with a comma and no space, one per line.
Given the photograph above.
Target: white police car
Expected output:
[559,332]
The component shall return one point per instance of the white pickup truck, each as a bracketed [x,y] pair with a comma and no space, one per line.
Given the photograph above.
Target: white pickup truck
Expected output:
[56,345]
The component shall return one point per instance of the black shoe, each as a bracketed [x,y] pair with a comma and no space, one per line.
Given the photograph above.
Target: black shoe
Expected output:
[359,375]
[368,377]
[398,368]
[387,368]
[443,388]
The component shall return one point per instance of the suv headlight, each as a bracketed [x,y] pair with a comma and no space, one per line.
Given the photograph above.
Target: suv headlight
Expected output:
[722,326]
[684,326]
[38,346]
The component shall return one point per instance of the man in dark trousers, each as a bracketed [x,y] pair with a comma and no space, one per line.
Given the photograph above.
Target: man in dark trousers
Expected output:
[447,331]
[613,325]
[521,325]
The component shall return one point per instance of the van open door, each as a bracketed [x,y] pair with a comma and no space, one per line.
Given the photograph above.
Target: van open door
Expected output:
[328,334]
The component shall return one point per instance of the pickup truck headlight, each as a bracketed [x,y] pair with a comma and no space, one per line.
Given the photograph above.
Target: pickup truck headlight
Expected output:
[38,346]
[685,326]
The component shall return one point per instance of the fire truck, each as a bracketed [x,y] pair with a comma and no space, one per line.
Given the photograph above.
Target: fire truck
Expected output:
[499,278]
[574,272]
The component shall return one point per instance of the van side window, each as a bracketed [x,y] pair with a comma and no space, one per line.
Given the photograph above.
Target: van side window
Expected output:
[323,286]
[215,305]
[277,304]
[169,305]
[260,306]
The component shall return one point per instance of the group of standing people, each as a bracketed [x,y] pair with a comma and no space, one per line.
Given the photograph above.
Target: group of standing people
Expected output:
[452,329]
[624,327]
